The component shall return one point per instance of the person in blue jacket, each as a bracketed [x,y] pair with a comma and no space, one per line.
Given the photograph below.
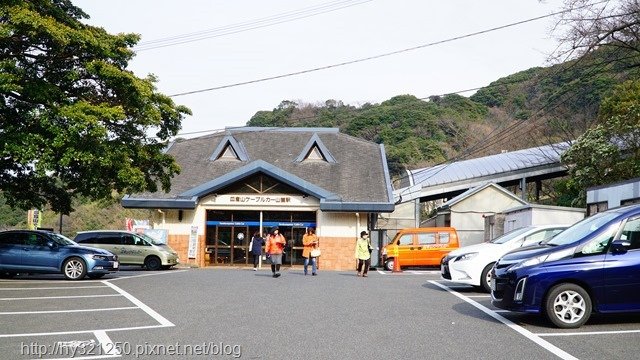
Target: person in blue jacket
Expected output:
[257,242]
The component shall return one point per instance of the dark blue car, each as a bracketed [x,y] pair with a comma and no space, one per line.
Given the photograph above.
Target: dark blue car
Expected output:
[33,251]
[592,266]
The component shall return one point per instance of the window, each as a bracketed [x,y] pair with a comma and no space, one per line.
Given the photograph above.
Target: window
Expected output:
[597,207]
[111,239]
[630,201]
[11,239]
[35,240]
[315,154]
[631,233]
[229,154]
[406,239]
[444,237]
[599,244]
[427,239]
[128,240]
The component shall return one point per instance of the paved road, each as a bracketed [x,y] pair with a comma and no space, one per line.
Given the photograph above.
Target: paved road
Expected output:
[239,313]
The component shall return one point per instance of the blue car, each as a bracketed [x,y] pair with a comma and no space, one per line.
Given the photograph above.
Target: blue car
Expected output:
[592,266]
[34,251]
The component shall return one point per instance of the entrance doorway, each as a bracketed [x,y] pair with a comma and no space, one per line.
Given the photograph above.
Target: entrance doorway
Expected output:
[229,233]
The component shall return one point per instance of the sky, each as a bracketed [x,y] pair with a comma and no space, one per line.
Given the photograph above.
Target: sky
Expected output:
[193,45]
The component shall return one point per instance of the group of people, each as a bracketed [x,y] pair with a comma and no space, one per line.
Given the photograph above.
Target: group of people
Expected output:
[275,244]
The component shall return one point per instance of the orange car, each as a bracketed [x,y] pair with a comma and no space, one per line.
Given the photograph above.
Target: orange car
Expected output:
[420,246]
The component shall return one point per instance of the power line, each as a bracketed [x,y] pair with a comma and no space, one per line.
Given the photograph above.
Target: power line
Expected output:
[248,25]
[371,57]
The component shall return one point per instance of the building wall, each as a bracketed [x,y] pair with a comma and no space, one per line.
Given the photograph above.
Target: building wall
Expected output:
[338,233]
[542,216]
[614,194]
[467,215]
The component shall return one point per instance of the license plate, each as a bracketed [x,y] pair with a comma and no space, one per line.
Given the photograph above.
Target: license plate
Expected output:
[493,285]
[115,264]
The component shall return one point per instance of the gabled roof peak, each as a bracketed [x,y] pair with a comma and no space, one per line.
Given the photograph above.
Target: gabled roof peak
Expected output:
[229,149]
[315,150]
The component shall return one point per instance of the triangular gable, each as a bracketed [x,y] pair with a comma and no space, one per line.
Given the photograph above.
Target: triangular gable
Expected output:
[229,149]
[255,167]
[315,150]
[475,190]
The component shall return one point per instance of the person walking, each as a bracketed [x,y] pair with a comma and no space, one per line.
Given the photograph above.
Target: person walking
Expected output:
[275,247]
[257,242]
[363,244]
[310,242]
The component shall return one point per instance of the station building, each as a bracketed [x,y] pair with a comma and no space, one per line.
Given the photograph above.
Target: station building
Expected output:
[242,180]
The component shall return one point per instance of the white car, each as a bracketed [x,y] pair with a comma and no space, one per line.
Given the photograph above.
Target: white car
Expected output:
[472,264]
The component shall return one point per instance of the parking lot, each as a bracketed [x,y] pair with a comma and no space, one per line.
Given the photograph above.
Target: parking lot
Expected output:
[238,313]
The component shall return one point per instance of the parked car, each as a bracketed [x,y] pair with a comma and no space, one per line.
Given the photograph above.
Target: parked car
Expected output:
[472,264]
[591,266]
[420,246]
[132,248]
[34,251]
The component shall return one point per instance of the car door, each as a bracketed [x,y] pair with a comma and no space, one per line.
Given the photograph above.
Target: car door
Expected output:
[621,272]
[111,242]
[11,249]
[405,250]
[427,253]
[37,255]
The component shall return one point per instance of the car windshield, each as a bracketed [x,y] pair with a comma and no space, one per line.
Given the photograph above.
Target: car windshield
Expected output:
[511,235]
[62,240]
[150,240]
[583,228]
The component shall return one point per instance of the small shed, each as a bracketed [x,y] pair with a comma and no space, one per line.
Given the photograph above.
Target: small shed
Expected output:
[534,214]
[467,211]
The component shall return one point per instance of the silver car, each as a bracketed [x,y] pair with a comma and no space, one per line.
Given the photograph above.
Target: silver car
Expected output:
[132,248]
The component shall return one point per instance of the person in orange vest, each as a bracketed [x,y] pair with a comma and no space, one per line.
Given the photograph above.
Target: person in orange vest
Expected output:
[274,249]
[310,242]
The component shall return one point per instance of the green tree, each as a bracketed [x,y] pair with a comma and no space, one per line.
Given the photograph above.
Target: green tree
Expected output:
[74,121]
[610,151]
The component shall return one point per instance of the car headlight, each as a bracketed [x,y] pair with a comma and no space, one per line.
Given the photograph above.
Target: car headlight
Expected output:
[99,257]
[543,258]
[467,256]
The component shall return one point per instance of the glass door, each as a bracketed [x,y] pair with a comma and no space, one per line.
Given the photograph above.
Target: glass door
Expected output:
[224,236]
[240,244]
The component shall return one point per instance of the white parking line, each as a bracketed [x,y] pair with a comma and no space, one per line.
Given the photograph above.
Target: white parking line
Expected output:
[65,311]
[526,333]
[591,333]
[159,318]
[108,347]
[59,297]
[143,275]
[55,288]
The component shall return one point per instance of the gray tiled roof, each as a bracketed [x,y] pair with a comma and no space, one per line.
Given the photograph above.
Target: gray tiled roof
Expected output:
[358,176]
[488,165]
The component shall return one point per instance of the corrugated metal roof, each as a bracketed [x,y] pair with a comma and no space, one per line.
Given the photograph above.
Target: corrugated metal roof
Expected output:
[488,165]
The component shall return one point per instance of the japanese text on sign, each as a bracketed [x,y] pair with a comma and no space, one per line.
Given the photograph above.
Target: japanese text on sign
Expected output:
[260,199]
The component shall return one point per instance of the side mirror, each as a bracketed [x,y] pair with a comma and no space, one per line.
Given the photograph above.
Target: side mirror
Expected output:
[620,246]
[52,244]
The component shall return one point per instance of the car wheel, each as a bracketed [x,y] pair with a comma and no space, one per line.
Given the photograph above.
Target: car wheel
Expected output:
[568,306]
[95,276]
[389,264]
[74,268]
[152,263]
[485,278]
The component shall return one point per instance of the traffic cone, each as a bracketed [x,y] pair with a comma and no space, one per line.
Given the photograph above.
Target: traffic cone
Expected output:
[396,265]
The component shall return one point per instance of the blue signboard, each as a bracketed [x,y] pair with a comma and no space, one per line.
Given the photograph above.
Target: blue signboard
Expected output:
[264,224]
